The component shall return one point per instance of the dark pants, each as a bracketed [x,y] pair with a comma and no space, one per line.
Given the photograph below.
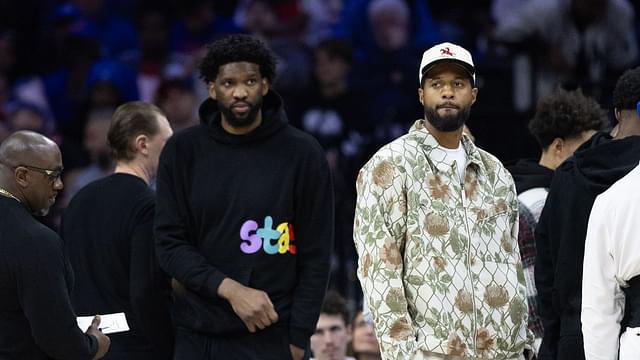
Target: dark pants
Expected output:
[570,347]
[271,343]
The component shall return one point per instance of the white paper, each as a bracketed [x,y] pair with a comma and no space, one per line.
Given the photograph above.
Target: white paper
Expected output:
[109,323]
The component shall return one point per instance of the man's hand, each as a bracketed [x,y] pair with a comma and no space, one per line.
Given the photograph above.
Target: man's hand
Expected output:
[296,352]
[103,340]
[252,306]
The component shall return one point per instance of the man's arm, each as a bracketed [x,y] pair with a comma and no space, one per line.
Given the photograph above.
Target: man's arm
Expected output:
[602,299]
[379,235]
[314,233]
[44,298]
[176,252]
[544,276]
[149,287]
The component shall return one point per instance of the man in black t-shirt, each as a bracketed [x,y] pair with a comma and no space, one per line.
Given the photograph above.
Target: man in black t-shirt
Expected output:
[108,234]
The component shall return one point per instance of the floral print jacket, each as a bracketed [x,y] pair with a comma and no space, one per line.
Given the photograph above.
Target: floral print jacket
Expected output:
[438,259]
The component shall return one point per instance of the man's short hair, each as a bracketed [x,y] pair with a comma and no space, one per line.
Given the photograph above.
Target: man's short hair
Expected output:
[129,121]
[565,115]
[237,48]
[626,94]
[334,304]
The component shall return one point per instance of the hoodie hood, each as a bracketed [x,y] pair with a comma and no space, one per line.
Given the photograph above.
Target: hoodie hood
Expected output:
[273,120]
[601,161]
[528,174]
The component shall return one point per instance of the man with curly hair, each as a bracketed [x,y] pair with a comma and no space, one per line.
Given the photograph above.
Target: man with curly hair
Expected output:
[244,218]
[562,122]
[436,229]
[561,231]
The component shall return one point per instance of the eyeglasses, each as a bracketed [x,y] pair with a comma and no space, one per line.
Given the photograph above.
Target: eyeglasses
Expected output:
[52,174]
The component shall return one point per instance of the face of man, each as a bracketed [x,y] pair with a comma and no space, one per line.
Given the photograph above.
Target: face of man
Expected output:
[239,89]
[330,340]
[447,96]
[157,141]
[364,337]
[43,181]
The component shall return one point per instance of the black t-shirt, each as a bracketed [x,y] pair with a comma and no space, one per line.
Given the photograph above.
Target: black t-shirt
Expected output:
[108,234]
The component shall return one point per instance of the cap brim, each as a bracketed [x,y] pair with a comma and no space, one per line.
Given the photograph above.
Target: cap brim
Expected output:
[470,70]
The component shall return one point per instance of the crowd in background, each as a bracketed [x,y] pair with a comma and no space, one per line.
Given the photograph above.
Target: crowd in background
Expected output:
[347,71]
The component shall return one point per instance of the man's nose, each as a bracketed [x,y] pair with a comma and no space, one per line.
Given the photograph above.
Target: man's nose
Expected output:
[240,92]
[57,183]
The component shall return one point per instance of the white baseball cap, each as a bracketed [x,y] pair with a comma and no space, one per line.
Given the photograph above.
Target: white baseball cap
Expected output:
[447,52]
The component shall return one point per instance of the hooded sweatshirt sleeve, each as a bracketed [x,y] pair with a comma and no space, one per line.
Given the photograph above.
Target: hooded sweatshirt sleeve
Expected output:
[315,233]
[176,251]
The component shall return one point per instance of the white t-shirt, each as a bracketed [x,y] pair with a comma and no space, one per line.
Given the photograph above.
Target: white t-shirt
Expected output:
[449,156]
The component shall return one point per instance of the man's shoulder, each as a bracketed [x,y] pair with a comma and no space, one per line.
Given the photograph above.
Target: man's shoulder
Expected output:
[297,137]
[28,236]
[493,164]
[185,136]
[398,150]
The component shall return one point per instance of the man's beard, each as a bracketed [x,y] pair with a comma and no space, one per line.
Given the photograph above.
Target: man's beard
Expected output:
[247,120]
[446,123]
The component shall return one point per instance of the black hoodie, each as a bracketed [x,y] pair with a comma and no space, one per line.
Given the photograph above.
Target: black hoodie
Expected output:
[226,205]
[528,174]
[561,231]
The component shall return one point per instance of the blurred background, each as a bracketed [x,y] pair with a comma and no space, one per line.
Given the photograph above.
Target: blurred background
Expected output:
[347,69]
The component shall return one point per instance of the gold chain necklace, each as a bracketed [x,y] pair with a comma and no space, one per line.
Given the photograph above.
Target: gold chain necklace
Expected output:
[8,194]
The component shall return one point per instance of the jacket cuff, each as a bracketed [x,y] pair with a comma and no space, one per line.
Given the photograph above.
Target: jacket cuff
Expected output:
[299,337]
[211,288]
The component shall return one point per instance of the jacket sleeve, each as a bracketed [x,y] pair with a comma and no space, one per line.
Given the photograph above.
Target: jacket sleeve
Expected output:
[149,288]
[44,297]
[379,235]
[176,252]
[314,234]
[602,299]
[544,277]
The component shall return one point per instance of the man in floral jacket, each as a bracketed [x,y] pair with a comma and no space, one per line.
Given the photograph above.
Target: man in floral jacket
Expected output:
[436,230]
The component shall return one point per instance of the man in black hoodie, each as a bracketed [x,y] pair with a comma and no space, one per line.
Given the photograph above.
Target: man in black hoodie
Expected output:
[244,217]
[563,121]
[561,231]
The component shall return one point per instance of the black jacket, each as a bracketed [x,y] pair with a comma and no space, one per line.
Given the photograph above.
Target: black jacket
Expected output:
[561,231]
[219,195]
[36,318]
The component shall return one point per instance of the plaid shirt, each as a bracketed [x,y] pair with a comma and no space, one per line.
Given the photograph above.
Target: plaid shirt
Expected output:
[527,244]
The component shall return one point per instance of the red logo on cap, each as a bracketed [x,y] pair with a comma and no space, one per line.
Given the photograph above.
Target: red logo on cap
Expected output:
[446,51]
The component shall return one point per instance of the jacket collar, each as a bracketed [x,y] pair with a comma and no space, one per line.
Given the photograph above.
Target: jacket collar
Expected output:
[428,143]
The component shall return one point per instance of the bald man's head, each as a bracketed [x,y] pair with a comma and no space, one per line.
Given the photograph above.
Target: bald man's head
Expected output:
[30,167]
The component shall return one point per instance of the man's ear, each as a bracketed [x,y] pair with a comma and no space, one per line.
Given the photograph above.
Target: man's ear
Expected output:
[474,95]
[141,144]
[557,145]
[212,89]
[21,175]
[420,96]
[265,86]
